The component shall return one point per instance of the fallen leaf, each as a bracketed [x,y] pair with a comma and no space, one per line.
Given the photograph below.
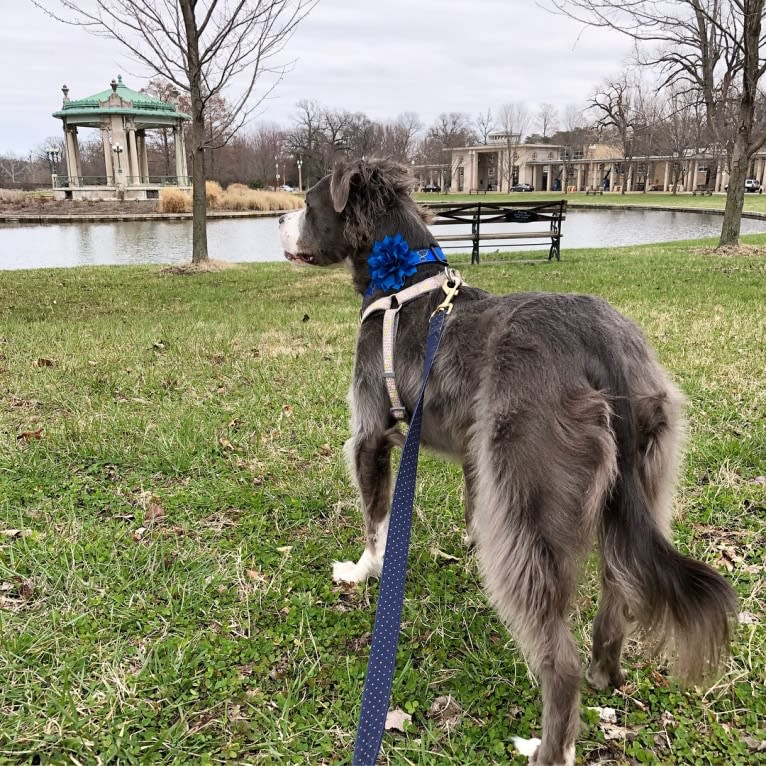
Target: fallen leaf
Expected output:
[755,745]
[759,480]
[154,512]
[446,712]
[12,533]
[43,362]
[285,549]
[613,732]
[138,534]
[747,618]
[605,714]
[395,720]
[26,436]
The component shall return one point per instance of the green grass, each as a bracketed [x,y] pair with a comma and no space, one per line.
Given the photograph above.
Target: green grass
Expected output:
[166,596]
[754,203]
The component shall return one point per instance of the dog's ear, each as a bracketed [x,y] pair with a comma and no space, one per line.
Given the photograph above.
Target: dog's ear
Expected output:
[370,178]
[366,191]
[340,183]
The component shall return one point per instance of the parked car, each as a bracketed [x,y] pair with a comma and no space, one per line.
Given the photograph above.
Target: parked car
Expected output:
[752,185]
[431,188]
[286,187]
[523,188]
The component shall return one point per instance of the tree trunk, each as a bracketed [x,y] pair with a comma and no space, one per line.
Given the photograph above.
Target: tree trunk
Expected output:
[735,197]
[199,197]
[743,142]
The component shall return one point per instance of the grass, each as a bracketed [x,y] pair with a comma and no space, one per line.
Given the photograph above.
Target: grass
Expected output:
[754,203]
[235,197]
[172,494]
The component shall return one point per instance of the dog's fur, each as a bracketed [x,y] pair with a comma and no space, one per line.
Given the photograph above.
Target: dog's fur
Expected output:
[568,431]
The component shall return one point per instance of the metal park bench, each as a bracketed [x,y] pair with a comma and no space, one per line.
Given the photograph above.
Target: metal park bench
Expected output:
[501,223]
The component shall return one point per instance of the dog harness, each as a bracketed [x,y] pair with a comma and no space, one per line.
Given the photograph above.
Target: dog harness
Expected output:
[449,280]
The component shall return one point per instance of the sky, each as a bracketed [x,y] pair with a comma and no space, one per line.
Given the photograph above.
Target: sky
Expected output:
[382,58]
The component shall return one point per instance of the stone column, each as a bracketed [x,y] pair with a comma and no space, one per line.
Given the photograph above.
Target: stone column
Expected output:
[143,157]
[178,144]
[579,177]
[108,167]
[133,157]
[666,180]
[72,156]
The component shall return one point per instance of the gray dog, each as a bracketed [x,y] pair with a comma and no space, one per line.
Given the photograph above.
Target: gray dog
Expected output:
[567,428]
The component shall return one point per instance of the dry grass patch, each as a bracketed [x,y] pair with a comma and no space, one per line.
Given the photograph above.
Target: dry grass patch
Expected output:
[174,201]
[14,196]
[183,269]
[731,251]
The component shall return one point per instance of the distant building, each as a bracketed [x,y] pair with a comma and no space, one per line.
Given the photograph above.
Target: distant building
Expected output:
[504,162]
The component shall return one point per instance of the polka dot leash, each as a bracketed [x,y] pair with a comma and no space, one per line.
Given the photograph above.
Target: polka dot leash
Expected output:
[388,616]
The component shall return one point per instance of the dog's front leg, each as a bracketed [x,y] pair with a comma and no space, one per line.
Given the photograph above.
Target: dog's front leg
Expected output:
[369,460]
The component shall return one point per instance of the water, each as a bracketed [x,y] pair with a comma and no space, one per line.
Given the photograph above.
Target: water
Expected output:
[257,239]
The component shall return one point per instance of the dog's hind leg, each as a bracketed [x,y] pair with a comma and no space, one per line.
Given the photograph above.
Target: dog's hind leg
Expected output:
[544,475]
[369,461]
[608,637]
[660,433]
[469,501]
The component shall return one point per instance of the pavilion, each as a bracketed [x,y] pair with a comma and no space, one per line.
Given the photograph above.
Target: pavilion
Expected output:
[123,116]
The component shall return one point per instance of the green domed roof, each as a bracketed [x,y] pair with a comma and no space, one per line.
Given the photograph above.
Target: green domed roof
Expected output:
[118,99]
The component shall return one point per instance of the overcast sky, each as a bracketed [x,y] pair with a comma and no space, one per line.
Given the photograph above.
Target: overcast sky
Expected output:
[382,58]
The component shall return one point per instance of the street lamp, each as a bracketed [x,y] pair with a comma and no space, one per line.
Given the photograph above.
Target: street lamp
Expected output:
[276,171]
[299,162]
[118,150]
[53,155]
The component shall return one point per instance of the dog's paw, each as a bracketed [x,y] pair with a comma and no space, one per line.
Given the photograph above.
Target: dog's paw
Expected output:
[526,747]
[601,678]
[345,571]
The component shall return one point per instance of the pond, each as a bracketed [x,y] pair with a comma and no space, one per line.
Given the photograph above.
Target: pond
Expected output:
[257,239]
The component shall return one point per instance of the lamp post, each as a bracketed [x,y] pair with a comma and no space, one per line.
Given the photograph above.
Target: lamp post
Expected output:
[299,162]
[118,150]
[53,155]
[276,171]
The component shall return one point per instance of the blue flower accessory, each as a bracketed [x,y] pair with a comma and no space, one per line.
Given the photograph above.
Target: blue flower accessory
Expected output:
[391,262]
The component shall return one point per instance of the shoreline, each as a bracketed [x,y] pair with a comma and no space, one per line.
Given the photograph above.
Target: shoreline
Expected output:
[25,218]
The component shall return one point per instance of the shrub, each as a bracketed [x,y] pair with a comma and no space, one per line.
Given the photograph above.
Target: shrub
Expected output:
[12,195]
[174,201]
[213,192]
[239,197]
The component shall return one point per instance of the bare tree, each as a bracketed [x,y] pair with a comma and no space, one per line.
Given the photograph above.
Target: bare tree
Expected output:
[512,122]
[574,141]
[712,48]
[485,124]
[617,117]
[201,46]
[547,119]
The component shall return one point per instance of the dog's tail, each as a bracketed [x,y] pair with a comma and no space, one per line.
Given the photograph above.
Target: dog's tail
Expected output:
[682,606]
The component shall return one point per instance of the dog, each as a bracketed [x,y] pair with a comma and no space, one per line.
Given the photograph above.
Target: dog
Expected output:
[568,430]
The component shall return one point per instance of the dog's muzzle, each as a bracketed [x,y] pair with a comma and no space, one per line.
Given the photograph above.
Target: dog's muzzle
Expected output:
[290,225]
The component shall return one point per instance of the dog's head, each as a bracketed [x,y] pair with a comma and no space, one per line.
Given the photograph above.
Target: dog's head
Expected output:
[348,210]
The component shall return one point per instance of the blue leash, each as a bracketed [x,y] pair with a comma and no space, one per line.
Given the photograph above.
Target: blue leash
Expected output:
[388,616]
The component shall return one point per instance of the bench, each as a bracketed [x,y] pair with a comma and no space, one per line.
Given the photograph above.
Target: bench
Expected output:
[593,191]
[702,192]
[547,216]
[477,191]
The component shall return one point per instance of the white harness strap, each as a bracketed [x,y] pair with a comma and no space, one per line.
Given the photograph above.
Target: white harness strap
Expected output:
[390,305]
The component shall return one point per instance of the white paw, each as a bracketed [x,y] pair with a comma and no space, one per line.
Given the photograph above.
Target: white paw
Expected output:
[526,747]
[348,571]
[345,571]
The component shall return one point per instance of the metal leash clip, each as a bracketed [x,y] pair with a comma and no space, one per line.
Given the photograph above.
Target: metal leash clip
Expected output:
[451,287]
